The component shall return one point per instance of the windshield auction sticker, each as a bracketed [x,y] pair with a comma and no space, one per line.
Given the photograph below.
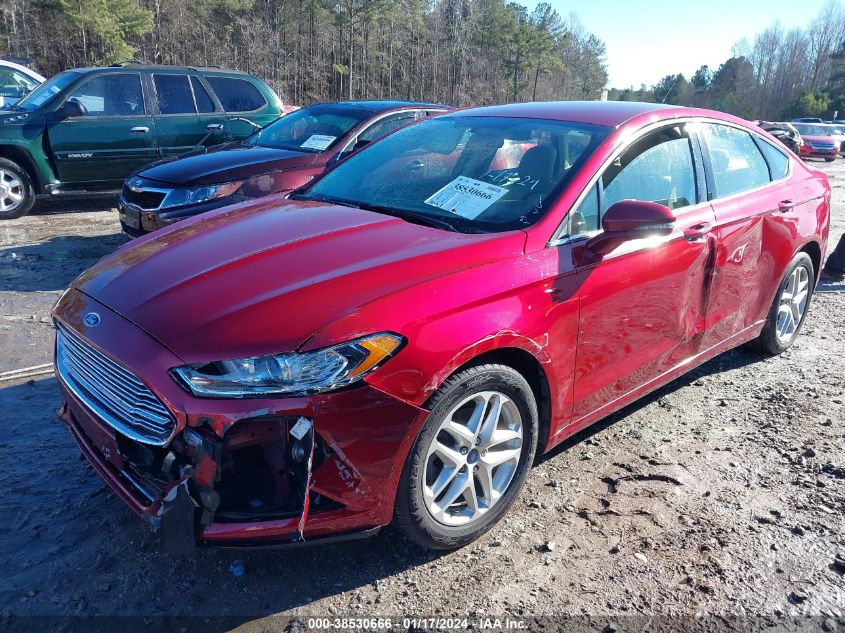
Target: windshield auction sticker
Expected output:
[318,141]
[466,197]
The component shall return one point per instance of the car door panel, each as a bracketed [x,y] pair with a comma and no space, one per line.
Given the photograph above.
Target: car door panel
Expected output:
[752,225]
[737,296]
[211,117]
[642,310]
[179,128]
[643,305]
[115,137]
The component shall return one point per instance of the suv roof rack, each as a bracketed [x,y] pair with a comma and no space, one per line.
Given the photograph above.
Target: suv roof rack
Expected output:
[129,63]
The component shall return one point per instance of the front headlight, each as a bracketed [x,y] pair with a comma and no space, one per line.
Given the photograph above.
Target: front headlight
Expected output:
[196,195]
[293,373]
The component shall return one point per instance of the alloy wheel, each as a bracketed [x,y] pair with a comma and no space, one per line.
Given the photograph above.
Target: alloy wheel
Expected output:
[473,458]
[792,304]
[11,191]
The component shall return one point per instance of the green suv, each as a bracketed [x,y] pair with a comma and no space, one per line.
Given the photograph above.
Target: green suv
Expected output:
[88,129]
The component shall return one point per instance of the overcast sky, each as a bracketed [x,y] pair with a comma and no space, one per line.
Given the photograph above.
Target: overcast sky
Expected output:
[648,39]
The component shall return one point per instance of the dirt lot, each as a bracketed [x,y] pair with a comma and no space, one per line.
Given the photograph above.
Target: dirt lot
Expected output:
[721,495]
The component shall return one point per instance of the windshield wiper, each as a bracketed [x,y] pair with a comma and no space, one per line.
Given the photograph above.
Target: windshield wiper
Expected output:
[402,214]
[320,197]
[411,216]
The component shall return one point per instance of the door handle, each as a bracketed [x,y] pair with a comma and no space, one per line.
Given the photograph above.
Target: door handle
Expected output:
[139,130]
[214,127]
[697,231]
[785,205]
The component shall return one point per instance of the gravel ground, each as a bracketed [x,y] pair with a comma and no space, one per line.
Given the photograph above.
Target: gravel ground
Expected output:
[721,495]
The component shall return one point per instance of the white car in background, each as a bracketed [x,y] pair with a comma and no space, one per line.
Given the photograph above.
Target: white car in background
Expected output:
[16,81]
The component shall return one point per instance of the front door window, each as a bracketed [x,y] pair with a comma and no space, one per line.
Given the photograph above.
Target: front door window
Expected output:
[111,95]
[657,168]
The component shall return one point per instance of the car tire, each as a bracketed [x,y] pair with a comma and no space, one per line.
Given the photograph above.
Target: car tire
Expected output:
[508,405]
[16,185]
[829,160]
[775,338]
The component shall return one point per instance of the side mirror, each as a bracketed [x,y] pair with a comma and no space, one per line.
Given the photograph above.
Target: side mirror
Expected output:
[631,220]
[69,110]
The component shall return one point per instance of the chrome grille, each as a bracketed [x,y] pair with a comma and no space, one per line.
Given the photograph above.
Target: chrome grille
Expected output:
[112,392]
[149,199]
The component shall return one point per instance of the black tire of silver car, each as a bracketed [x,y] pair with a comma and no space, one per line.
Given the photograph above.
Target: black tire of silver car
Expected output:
[17,194]
[471,458]
[789,308]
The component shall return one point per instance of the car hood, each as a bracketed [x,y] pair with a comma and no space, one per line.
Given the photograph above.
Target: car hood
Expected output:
[224,163]
[263,277]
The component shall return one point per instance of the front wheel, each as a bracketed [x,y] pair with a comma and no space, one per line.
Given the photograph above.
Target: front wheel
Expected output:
[16,192]
[789,308]
[829,160]
[471,458]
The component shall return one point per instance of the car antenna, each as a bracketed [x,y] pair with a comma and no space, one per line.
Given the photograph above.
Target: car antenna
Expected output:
[668,92]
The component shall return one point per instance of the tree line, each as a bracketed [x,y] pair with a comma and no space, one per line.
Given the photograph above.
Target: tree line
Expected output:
[778,75]
[460,52]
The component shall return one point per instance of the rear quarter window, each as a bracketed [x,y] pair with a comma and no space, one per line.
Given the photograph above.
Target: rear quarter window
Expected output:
[237,95]
[778,161]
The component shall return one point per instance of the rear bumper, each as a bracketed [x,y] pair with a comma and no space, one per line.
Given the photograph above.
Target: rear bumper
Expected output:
[235,459]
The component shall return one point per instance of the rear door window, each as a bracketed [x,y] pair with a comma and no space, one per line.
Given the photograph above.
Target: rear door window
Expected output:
[203,99]
[174,94]
[236,95]
[736,161]
[111,95]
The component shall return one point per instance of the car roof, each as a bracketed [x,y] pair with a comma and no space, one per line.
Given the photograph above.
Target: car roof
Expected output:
[607,113]
[384,104]
[20,67]
[139,66]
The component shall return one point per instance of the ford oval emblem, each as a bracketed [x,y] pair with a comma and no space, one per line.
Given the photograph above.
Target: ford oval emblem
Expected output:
[92,319]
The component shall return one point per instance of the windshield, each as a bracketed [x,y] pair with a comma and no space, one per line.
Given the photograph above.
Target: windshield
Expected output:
[46,91]
[813,130]
[464,173]
[313,129]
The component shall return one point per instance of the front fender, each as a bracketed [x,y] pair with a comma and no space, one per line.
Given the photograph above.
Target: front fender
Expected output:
[31,154]
[527,302]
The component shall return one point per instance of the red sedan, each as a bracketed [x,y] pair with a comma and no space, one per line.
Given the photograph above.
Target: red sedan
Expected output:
[400,340]
[818,142]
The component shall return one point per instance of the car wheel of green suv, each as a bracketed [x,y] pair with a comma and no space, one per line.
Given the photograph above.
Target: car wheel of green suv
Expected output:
[16,192]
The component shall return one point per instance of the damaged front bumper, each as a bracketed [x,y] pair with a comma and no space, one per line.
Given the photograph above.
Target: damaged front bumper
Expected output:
[254,472]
